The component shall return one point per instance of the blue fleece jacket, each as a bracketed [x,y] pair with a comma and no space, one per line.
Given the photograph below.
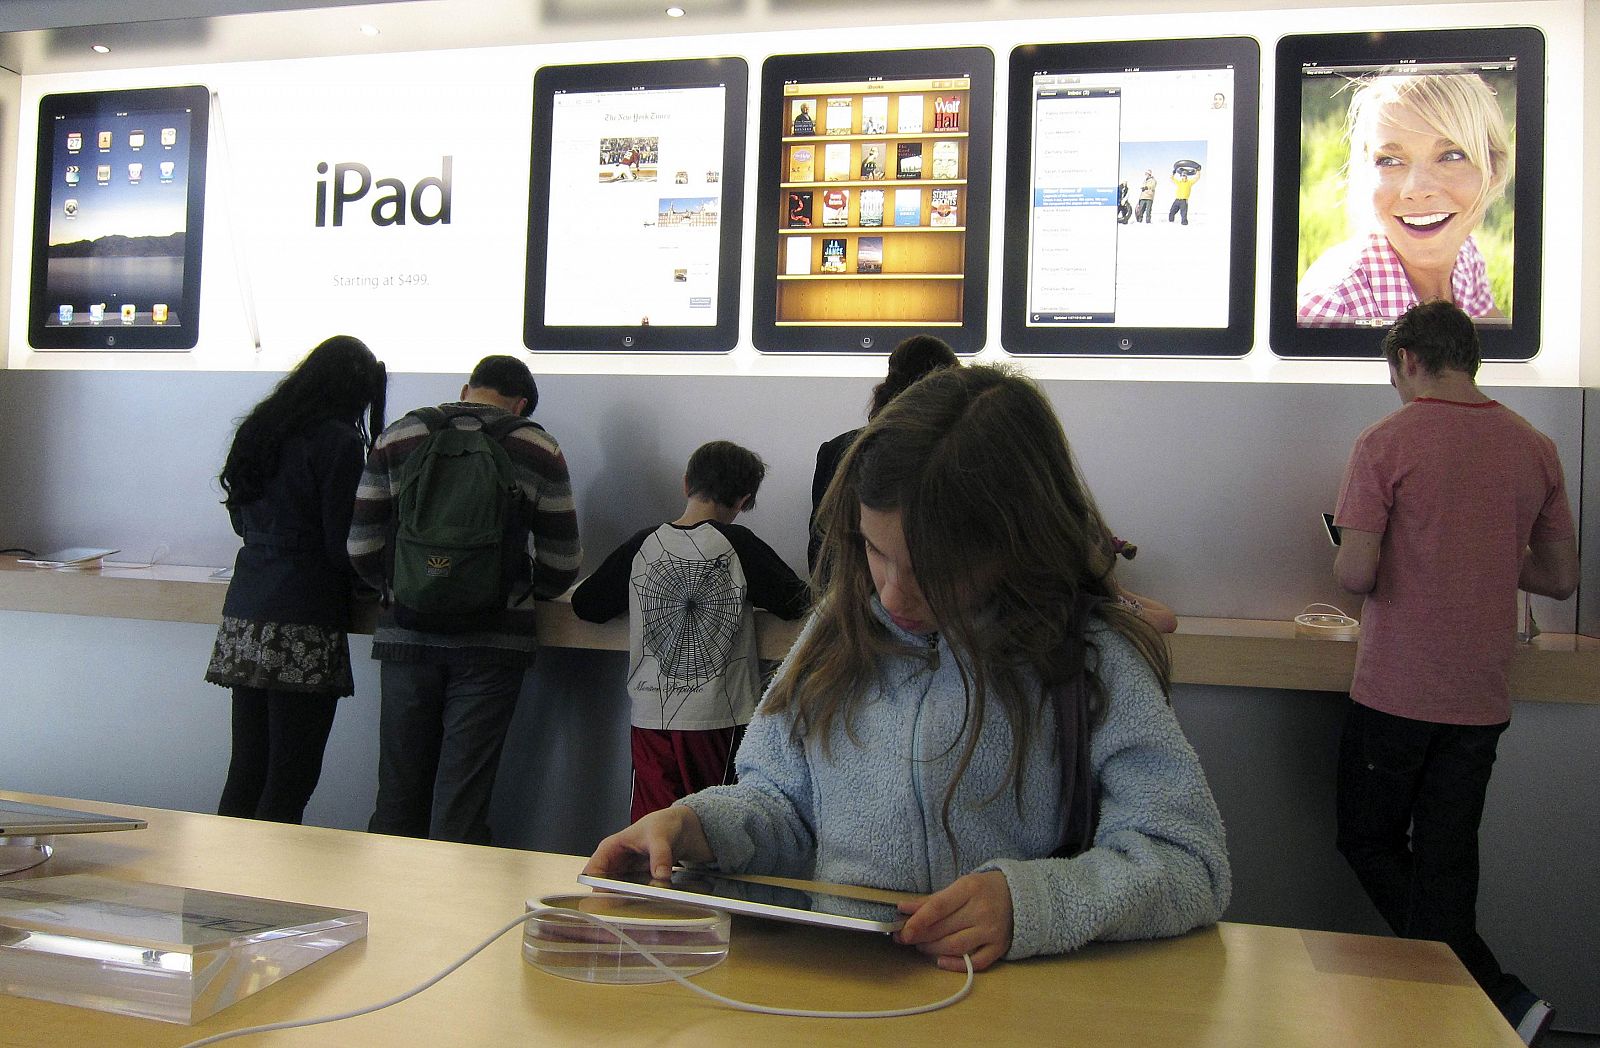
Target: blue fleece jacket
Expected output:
[869,811]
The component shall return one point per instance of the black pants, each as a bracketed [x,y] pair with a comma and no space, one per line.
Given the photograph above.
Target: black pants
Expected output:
[1410,798]
[278,741]
[440,734]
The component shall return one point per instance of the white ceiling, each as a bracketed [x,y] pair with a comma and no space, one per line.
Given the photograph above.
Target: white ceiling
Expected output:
[49,36]
[55,36]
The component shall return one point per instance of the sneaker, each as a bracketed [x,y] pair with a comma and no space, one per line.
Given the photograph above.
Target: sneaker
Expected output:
[1530,1016]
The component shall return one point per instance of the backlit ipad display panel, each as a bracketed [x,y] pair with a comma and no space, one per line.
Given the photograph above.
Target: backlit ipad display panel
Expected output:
[636,206]
[118,220]
[1131,198]
[1409,167]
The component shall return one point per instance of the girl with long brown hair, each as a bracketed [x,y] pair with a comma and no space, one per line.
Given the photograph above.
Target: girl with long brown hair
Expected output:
[970,713]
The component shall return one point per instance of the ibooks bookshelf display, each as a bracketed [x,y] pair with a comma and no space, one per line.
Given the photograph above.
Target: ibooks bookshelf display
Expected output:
[157,951]
[1131,198]
[636,206]
[873,222]
[1409,167]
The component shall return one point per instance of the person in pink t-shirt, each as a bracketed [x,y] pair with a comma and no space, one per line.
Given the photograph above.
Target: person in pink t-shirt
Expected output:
[1448,507]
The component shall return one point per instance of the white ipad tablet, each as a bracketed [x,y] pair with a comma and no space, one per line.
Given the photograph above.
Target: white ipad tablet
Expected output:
[63,557]
[814,905]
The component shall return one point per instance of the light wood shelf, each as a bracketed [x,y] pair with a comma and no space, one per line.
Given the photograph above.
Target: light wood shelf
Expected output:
[847,275]
[875,183]
[856,136]
[870,230]
[1249,653]
[858,323]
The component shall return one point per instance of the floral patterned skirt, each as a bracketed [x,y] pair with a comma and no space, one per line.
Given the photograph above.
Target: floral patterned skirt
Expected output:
[281,656]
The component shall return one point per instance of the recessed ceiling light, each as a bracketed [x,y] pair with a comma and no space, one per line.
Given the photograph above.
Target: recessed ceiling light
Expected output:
[367,29]
[100,49]
[675,12]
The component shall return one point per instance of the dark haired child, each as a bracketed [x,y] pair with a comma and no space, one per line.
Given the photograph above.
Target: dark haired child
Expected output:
[690,588]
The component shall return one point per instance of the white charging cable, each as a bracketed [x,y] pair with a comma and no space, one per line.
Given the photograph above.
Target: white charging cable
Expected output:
[744,1006]
[155,558]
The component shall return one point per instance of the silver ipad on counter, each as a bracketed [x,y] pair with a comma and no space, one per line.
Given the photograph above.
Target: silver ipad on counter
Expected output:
[38,820]
[759,900]
[63,558]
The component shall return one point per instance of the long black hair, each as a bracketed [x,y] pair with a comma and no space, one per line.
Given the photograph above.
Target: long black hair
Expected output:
[340,379]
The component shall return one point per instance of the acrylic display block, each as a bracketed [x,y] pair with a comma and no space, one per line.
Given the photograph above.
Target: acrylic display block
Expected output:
[687,939]
[156,950]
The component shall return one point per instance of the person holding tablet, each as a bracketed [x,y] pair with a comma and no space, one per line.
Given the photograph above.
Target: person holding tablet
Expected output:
[290,477]
[970,714]
[1428,154]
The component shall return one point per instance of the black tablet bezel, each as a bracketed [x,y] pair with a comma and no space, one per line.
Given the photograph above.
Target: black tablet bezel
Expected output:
[113,336]
[1519,341]
[720,336]
[1243,54]
[856,338]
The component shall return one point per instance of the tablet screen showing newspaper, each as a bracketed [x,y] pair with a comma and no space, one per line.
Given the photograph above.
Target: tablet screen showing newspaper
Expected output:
[759,900]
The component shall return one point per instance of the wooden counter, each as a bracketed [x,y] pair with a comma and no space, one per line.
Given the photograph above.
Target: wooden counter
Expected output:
[1246,653]
[1244,986]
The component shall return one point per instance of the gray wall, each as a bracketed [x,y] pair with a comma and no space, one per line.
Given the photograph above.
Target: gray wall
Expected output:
[1220,484]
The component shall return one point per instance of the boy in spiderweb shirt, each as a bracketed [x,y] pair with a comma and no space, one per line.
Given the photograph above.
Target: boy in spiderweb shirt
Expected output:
[690,588]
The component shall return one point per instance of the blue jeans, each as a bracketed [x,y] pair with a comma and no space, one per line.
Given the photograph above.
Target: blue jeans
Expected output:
[440,732]
[1410,798]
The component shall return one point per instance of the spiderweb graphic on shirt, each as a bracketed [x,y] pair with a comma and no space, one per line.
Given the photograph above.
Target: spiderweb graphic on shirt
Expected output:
[690,613]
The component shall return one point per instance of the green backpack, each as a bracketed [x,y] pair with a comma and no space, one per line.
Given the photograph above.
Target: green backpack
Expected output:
[460,541]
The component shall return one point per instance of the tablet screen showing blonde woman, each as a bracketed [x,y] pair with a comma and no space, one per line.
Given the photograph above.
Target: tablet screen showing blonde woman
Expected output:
[1411,184]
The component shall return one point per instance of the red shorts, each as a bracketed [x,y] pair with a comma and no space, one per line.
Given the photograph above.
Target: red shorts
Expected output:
[669,765]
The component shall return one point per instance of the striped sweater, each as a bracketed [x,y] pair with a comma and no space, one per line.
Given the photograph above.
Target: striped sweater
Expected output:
[552,540]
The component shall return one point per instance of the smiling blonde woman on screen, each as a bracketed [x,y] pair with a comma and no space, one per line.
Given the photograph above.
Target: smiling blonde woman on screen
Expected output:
[1428,155]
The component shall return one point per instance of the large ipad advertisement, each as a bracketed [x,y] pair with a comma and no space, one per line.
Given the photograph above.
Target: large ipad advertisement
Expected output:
[1409,168]
[873,215]
[635,206]
[1131,198]
[119,203]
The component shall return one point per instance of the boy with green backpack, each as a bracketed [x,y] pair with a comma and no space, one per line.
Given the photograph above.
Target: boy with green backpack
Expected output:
[463,517]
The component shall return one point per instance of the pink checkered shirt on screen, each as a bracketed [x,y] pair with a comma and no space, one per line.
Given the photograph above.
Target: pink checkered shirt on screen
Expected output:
[1363,278]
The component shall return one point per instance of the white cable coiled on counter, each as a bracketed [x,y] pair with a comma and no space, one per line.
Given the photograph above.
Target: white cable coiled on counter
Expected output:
[1322,626]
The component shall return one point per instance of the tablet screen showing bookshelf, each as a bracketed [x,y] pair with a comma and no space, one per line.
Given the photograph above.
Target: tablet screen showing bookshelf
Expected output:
[1411,168]
[119,204]
[1131,198]
[636,205]
[873,222]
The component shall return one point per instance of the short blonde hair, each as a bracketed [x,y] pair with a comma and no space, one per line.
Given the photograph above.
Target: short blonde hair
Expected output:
[1457,106]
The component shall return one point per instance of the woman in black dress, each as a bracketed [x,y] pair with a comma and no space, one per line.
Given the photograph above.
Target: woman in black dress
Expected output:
[290,477]
[911,359]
